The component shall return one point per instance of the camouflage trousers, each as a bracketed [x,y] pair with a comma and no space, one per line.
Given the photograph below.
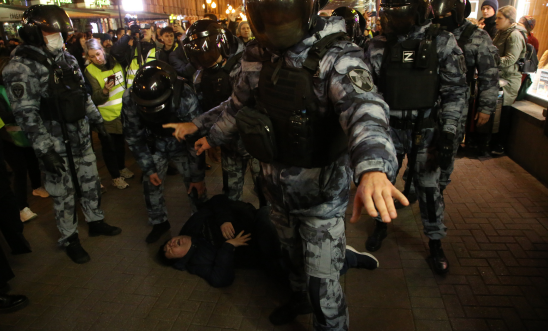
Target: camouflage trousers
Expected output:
[308,210]
[234,168]
[61,188]
[425,181]
[154,195]
[445,176]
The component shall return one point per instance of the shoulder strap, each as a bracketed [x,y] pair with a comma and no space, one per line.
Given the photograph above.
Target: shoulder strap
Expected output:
[466,34]
[318,50]
[230,63]
[35,56]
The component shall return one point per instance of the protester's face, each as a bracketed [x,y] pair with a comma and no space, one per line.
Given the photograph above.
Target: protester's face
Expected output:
[83,41]
[502,22]
[245,31]
[487,11]
[120,35]
[168,39]
[107,43]
[96,56]
[177,247]
[147,34]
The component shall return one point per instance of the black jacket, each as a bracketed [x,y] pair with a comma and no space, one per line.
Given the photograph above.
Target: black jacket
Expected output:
[490,26]
[178,60]
[124,53]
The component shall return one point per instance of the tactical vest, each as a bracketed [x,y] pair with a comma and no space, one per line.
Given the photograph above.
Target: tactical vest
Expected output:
[134,65]
[153,122]
[111,109]
[67,95]
[304,137]
[215,84]
[409,77]
[463,40]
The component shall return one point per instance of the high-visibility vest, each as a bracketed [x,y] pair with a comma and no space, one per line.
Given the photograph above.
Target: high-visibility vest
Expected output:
[111,109]
[134,66]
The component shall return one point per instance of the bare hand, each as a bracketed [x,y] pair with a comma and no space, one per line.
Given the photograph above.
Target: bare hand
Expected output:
[200,188]
[181,129]
[240,240]
[228,230]
[108,87]
[201,145]
[481,119]
[130,42]
[376,190]
[154,179]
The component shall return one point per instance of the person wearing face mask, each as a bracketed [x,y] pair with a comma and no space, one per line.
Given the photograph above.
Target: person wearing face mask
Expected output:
[106,77]
[49,101]
[489,10]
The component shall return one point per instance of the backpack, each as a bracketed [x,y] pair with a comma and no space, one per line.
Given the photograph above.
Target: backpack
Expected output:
[529,63]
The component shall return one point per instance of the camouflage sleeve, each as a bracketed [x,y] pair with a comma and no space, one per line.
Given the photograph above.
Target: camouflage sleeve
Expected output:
[363,115]
[453,88]
[487,60]
[24,93]
[136,136]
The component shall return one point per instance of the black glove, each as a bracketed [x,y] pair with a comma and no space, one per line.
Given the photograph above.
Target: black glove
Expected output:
[445,149]
[53,163]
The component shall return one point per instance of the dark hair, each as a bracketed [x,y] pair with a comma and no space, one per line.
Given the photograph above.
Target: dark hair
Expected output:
[167,29]
[119,30]
[161,256]
[4,60]
[109,31]
[89,34]
[78,36]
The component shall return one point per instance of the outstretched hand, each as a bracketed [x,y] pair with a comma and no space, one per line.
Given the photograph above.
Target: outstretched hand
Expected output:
[375,190]
[181,129]
[240,240]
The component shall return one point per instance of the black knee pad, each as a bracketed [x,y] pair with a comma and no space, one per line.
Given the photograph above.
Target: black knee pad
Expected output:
[430,204]
[314,292]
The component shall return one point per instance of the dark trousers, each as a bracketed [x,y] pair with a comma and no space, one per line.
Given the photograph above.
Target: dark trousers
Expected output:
[22,161]
[114,158]
[501,137]
[10,222]
[5,270]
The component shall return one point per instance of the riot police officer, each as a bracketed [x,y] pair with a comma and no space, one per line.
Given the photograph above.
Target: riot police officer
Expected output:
[218,65]
[50,103]
[305,105]
[355,24]
[420,71]
[156,98]
[481,56]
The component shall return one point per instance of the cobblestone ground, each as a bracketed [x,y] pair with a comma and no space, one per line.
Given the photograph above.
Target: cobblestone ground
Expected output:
[497,245]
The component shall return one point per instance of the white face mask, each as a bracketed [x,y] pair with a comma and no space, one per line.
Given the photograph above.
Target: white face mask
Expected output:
[55,41]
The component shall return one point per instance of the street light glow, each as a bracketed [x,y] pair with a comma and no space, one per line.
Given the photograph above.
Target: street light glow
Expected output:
[208,1]
[203,6]
[132,5]
[213,5]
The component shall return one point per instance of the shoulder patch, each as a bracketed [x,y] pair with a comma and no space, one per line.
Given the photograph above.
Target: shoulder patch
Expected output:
[361,79]
[18,90]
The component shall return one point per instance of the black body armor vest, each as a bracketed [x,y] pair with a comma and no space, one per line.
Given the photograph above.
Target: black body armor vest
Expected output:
[463,40]
[215,85]
[303,136]
[409,77]
[67,95]
[154,121]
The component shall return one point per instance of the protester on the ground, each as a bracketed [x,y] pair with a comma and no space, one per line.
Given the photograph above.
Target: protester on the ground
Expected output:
[511,44]
[244,32]
[106,77]
[489,10]
[529,22]
[169,44]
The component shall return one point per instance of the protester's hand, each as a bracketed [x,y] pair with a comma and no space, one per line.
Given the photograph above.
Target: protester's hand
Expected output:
[199,186]
[181,129]
[375,190]
[201,145]
[130,42]
[240,240]
[481,119]
[154,179]
[228,230]
[178,29]
[108,86]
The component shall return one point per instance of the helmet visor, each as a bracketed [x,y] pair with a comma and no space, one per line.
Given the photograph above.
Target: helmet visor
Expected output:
[203,52]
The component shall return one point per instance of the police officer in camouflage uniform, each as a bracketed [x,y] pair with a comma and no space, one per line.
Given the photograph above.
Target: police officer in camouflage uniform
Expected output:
[481,56]
[158,97]
[305,105]
[45,88]
[421,72]
[217,67]
[355,24]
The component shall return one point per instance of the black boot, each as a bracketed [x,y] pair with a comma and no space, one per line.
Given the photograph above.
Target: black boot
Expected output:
[157,231]
[11,303]
[412,198]
[75,251]
[98,228]
[374,242]
[299,304]
[439,261]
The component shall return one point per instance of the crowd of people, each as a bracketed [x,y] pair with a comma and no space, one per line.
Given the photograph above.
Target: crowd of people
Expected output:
[413,81]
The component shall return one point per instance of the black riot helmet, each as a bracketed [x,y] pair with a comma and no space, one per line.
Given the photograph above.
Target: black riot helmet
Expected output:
[152,90]
[206,41]
[459,9]
[352,21]
[280,24]
[48,18]
[399,16]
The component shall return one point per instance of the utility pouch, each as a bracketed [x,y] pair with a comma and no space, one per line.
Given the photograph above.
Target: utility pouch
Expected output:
[72,106]
[300,133]
[257,134]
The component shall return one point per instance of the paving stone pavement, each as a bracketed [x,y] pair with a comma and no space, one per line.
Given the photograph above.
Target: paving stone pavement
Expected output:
[497,244]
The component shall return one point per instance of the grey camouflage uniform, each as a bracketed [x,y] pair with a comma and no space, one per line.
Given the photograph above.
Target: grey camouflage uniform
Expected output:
[452,100]
[46,135]
[234,158]
[309,205]
[480,54]
[165,149]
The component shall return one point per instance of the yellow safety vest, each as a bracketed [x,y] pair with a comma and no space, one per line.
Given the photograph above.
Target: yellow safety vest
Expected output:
[134,66]
[111,109]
